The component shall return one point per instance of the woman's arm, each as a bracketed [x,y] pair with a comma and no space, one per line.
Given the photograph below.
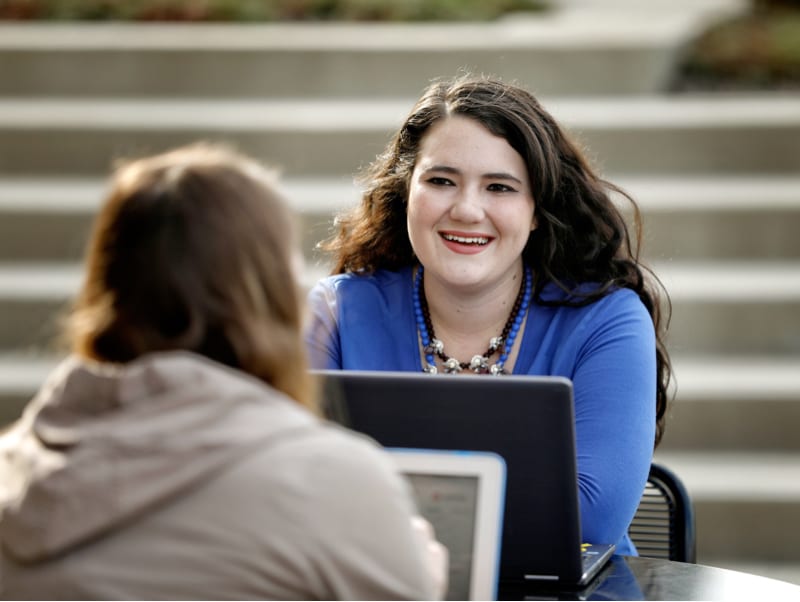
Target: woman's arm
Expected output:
[614,384]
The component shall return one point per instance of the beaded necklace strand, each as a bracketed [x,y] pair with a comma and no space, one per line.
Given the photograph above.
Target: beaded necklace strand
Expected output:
[479,363]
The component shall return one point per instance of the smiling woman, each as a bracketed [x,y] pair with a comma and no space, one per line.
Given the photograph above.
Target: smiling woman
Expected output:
[486,244]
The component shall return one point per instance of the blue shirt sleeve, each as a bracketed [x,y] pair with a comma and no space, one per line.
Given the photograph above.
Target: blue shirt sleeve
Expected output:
[322,332]
[363,322]
[614,381]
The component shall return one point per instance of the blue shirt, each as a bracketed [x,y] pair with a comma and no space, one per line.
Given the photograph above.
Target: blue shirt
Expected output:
[607,349]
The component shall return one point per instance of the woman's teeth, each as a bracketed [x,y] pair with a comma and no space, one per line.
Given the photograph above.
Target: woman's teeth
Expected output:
[466,240]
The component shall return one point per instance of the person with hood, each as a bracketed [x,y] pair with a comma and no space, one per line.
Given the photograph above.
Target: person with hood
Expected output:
[176,453]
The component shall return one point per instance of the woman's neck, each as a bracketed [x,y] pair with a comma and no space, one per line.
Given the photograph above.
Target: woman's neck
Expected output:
[465,320]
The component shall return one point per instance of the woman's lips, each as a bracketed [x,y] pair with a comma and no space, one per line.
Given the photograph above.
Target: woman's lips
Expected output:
[465,243]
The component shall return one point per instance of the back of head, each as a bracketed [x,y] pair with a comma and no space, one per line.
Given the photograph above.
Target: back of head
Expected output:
[193,250]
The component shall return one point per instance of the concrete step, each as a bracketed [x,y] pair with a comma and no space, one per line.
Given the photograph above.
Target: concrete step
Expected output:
[35,297]
[33,300]
[737,217]
[561,52]
[745,504]
[718,308]
[733,307]
[48,218]
[690,135]
[21,375]
[734,403]
[575,48]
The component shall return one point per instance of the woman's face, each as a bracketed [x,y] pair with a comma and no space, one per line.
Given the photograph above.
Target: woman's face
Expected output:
[470,205]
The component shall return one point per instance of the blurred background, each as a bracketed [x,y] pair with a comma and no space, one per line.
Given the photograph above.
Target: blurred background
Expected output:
[693,106]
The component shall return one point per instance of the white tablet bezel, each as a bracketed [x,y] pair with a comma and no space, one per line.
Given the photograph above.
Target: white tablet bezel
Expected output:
[490,470]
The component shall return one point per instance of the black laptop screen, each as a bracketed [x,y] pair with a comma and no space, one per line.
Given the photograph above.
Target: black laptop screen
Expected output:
[528,420]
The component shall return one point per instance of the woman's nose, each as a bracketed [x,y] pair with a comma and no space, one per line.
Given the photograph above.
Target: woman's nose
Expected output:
[468,206]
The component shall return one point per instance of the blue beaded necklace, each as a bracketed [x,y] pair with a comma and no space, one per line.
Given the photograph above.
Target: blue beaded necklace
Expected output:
[479,363]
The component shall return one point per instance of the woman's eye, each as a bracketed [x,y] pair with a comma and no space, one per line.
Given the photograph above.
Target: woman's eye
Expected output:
[497,187]
[438,181]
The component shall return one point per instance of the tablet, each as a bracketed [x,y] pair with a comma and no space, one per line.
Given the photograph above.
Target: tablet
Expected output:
[462,494]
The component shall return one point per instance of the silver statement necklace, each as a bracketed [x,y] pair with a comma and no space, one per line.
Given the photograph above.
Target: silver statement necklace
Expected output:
[479,363]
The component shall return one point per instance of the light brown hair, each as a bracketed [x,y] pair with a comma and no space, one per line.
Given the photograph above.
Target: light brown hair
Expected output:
[193,250]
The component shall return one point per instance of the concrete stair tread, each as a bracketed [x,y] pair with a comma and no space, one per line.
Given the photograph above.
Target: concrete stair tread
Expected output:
[734,193]
[331,114]
[721,194]
[737,378]
[732,281]
[56,280]
[637,134]
[83,195]
[24,373]
[737,475]
[336,114]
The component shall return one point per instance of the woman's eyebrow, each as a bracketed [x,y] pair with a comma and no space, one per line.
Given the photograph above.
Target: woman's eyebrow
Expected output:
[498,175]
[502,176]
[444,168]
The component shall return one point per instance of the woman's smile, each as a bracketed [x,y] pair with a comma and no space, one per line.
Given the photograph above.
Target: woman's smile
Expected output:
[465,243]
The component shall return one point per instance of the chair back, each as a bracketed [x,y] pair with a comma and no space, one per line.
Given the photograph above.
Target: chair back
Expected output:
[663,526]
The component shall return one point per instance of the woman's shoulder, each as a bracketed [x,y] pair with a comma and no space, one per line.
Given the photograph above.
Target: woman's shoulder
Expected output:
[553,294]
[617,307]
[374,291]
[365,280]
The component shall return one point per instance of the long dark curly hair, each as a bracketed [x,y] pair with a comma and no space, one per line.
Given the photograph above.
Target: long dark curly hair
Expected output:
[581,235]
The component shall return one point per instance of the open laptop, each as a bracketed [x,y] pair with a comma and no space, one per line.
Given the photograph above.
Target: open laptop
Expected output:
[527,420]
[462,494]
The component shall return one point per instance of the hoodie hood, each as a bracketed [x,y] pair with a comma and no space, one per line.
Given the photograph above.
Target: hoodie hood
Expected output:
[101,444]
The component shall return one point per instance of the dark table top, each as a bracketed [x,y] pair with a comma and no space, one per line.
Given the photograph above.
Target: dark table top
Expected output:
[631,578]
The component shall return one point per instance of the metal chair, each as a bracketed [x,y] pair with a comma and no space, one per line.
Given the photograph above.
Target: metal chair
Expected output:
[663,526]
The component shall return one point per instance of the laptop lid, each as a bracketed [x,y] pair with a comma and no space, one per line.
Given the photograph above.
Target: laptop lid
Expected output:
[527,420]
[462,494]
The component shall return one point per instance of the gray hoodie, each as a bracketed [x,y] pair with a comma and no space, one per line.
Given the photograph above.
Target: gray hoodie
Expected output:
[175,477]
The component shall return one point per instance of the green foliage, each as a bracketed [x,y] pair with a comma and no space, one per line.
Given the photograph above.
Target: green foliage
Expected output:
[757,50]
[263,10]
